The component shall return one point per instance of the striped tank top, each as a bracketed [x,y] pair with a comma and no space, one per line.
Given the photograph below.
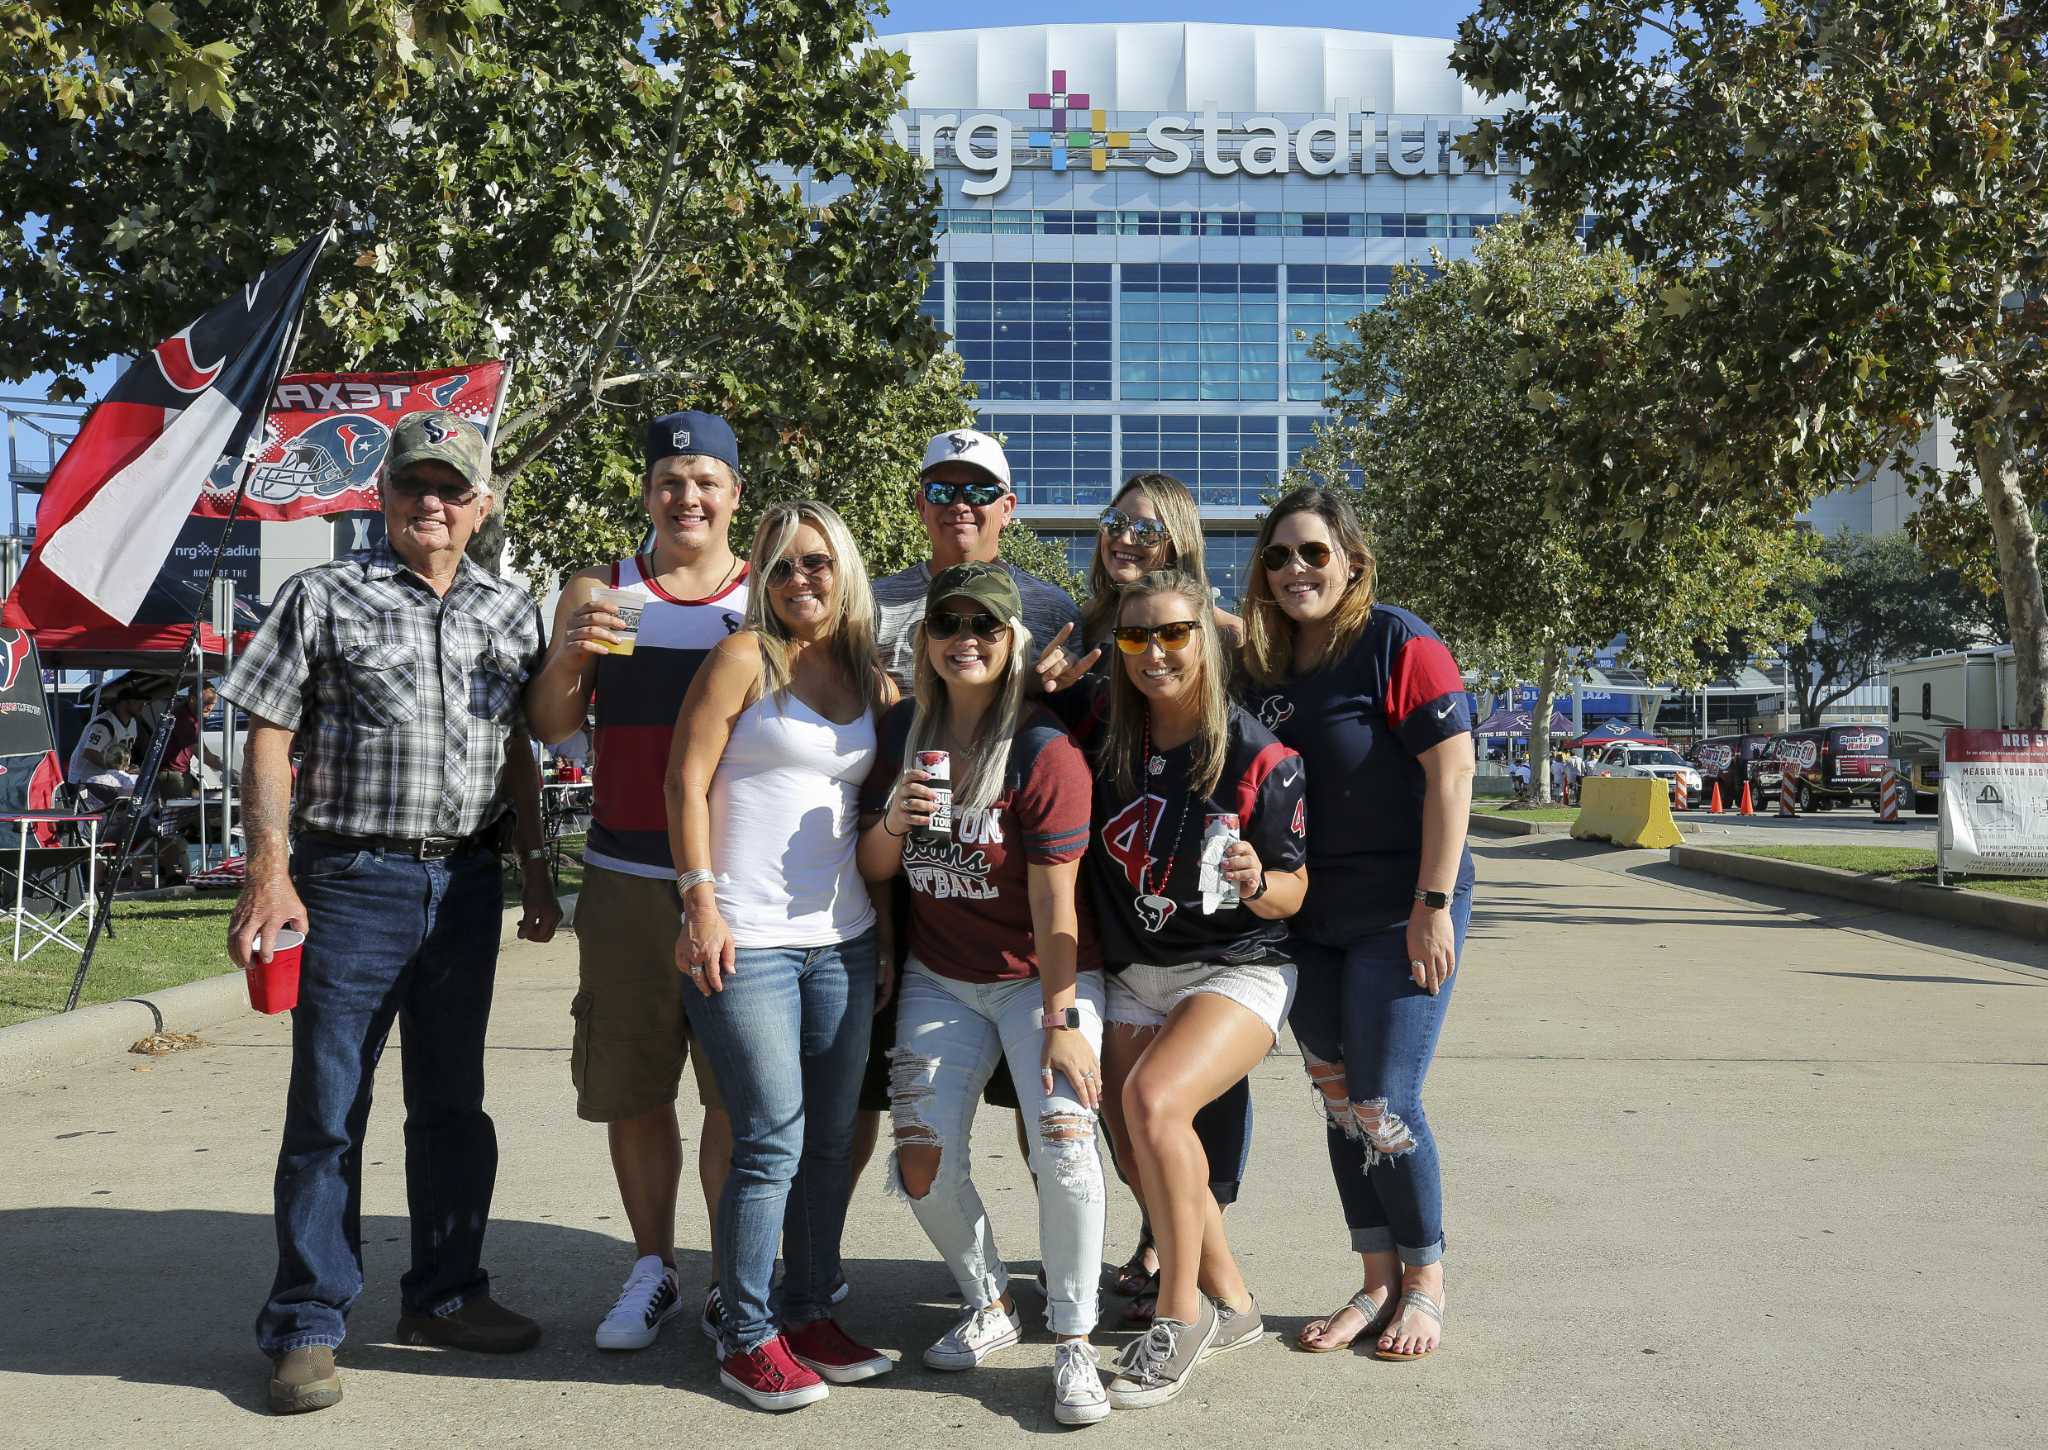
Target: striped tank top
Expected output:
[637,699]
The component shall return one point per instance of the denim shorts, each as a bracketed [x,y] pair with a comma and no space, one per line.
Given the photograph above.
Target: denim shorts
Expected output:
[1141,995]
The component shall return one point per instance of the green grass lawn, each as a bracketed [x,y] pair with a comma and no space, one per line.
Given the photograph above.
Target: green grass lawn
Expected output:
[1898,863]
[159,944]
[1532,813]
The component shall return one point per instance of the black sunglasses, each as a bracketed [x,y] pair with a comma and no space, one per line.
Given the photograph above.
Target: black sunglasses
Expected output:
[1135,639]
[812,564]
[941,494]
[1145,533]
[1277,556]
[454,495]
[944,624]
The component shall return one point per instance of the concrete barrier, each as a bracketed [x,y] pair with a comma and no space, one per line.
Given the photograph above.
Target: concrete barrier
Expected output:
[1951,904]
[1626,811]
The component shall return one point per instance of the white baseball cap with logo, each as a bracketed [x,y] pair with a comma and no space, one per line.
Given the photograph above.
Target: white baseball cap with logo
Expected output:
[964,445]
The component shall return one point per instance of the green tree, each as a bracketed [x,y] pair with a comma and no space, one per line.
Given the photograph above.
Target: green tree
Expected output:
[1488,524]
[1838,205]
[629,233]
[1879,602]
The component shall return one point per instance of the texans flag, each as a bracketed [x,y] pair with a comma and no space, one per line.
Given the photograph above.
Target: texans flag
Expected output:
[126,485]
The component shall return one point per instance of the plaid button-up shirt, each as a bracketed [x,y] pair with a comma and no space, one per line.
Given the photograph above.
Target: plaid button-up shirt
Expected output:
[401,699]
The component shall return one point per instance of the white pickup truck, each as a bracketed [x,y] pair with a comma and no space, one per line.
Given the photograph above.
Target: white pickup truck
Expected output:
[1655,762]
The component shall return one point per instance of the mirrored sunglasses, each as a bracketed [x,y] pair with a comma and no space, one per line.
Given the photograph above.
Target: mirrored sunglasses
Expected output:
[812,565]
[1145,533]
[1278,556]
[941,494]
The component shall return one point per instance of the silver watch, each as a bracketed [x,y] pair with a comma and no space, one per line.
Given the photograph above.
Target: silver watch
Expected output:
[685,880]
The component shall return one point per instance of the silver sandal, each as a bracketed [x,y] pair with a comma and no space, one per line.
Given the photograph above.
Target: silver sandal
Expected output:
[1374,1315]
[1414,1299]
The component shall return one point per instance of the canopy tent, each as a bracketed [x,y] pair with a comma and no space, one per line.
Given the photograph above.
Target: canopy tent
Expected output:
[1613,732]
[1521,723]
[157,639]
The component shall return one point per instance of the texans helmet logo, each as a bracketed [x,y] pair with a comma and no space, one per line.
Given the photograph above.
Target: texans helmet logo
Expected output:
[434,430]
[443,393]
[961,442]
[1153,911]
[1274,709]
[13,654]
[181,370]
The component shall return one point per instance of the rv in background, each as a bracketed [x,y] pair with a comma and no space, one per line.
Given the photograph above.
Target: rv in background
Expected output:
[1974,689]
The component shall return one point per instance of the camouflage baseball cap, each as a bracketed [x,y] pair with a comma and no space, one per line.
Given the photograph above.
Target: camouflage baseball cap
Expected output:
[440,438]
[988,585]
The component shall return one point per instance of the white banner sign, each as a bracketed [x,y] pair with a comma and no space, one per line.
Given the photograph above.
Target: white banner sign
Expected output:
[1994,803]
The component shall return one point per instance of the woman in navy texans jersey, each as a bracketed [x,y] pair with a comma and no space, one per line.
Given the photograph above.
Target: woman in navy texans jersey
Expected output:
[1197,986]
[1375,704]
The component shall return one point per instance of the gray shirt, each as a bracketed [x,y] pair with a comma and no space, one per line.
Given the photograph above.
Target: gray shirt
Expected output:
[899,606]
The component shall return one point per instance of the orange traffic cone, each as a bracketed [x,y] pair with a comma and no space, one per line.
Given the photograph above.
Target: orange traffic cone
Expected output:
[1748,807]
[1714,800]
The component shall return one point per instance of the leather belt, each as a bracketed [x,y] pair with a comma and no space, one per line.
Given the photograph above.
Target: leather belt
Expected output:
[420,848]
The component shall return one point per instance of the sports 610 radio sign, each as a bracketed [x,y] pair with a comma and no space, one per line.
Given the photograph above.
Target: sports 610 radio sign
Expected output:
[324,441]
[1994,802]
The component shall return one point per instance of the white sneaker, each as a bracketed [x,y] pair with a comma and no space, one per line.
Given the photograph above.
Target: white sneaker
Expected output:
[979,1334]
[1078,1397]
[650,1299]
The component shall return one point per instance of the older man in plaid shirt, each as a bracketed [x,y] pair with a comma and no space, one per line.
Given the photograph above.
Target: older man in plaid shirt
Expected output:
[399,676]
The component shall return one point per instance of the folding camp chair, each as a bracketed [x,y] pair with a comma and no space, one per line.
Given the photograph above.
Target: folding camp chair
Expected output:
[52,886]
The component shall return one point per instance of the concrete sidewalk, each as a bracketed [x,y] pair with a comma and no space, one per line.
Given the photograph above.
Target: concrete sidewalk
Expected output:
[1720,1173]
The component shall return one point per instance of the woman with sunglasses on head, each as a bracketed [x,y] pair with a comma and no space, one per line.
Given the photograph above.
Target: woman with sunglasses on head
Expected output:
[1195,865]
[1153,524]
[1001,975]
[1374,702]
[773,741]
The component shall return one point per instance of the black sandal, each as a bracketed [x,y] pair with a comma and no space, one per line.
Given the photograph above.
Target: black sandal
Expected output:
[1129,1279]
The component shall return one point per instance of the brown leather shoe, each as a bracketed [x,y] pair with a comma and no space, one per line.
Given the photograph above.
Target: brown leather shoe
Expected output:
[304,1379]
[482,1325]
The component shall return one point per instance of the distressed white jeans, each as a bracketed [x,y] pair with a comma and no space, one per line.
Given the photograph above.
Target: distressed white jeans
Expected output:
[950,1037]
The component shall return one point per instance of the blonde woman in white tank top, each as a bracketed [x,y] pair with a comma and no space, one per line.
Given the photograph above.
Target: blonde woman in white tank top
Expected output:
[779,938]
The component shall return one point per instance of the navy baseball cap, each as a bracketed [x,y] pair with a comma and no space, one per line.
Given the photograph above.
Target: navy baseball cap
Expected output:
[681,435]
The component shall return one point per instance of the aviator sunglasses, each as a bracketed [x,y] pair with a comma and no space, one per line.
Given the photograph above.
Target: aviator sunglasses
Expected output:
[1135,639]
[941,494]
[452,495]
[943,624]
[1277,556]
[812,565]
[1145,533]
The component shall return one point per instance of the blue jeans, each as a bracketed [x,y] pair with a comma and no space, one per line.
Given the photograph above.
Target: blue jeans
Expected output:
[387,938]
[1358,1015]
[788,1041]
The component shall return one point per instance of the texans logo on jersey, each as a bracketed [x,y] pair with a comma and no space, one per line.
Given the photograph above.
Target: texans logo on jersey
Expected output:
[1274,709]
[732,622]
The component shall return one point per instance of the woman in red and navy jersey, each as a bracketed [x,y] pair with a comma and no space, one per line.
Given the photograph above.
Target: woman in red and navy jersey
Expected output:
[1375,704]
[1198,985]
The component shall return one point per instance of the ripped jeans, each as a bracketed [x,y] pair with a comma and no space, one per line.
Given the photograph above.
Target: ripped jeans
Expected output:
[1367,1036]
[950,1037]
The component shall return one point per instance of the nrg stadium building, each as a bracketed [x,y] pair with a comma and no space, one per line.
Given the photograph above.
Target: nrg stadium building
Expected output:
[1138,221]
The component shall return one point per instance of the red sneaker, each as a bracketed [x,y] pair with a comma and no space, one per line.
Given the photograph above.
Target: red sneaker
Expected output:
[829,1350]
[770,1377]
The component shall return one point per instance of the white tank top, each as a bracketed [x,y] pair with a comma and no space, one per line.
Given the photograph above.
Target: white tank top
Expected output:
[784,824]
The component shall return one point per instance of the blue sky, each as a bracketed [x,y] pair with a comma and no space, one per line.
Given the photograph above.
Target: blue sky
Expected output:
[1392,17]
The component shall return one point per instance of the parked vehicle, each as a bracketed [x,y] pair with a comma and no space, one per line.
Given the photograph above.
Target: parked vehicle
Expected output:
[1831,765]
[1974,689]
[1657,762]
[1726,759]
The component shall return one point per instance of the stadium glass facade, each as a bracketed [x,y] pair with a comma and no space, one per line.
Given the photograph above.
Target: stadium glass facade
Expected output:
[1143,226]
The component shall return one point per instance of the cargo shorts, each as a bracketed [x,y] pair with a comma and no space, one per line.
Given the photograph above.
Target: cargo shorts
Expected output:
[631,1033]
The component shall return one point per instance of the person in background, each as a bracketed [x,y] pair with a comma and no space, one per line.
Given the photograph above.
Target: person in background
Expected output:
[398,673]
[1375,704]
[779,941]
[631,1035]
[1152,524]
[106,754]
[186,745]
[964,498]
[1003,974]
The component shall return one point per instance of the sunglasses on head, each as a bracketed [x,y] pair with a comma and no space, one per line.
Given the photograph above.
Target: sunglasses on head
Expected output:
[1145,533]
[454,495]
[812,565]
[939,493]
[944,624]
[1277,556]
[1135,639]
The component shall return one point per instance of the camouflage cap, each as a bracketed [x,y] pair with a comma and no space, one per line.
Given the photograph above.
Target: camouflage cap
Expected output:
[440,438]
[988,585]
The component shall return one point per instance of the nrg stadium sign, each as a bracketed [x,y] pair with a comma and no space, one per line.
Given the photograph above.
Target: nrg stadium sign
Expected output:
[1074,135]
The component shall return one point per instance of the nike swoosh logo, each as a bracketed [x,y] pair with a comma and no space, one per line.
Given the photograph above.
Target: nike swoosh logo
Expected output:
[1446,710]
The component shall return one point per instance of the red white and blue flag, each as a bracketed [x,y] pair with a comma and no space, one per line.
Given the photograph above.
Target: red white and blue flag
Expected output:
[126,485]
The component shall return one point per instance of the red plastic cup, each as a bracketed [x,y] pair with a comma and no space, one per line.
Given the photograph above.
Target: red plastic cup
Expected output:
[274,985]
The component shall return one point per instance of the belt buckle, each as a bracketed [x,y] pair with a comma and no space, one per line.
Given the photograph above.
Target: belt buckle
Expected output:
[436,848]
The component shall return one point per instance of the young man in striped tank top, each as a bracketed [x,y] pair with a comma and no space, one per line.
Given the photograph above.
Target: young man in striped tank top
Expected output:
[631,1037]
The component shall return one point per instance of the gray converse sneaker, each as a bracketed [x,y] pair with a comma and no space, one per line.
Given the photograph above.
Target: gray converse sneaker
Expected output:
[1235,1328]
[1155,1367]
[1078,1397]
[979,1334]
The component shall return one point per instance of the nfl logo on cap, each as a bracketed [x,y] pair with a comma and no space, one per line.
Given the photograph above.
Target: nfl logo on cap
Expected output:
[680,438]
